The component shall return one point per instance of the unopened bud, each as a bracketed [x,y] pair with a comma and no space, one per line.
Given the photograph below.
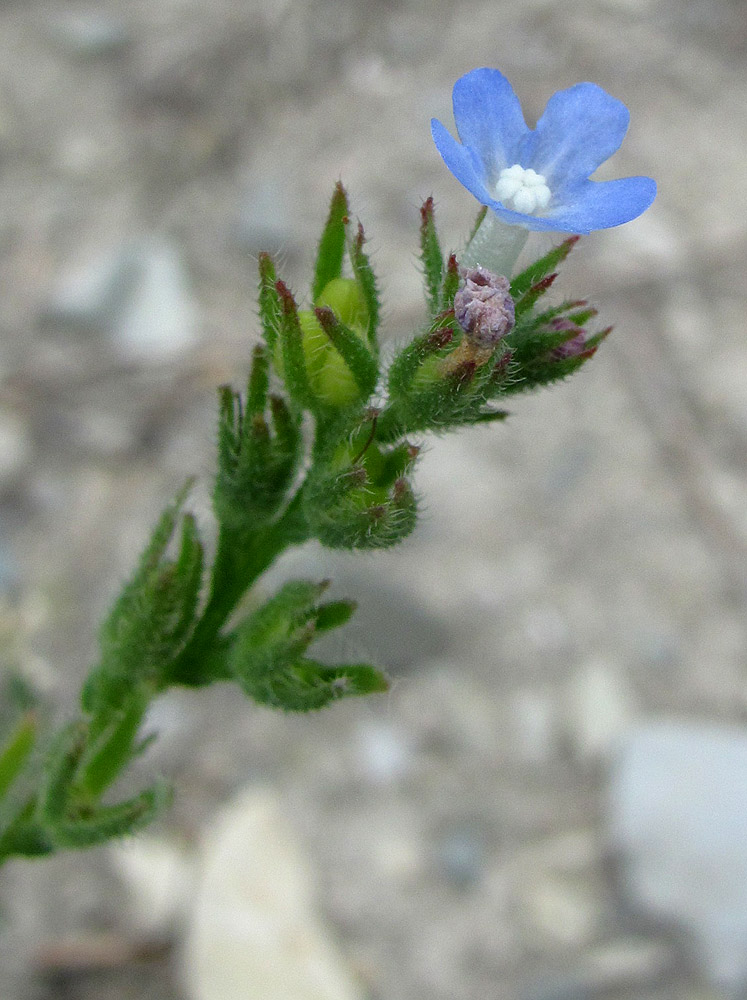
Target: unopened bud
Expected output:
[483,307]
[576,343]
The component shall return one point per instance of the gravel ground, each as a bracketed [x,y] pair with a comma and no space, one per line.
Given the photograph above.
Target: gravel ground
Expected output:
[578,568]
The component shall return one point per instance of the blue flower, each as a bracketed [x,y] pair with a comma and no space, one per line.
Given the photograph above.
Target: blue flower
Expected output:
[539,178]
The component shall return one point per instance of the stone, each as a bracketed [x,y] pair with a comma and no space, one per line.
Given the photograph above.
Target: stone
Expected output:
[158,320]
[561,911]
[89,295]
[384,752]
[158,875]
[254,930]
[600,707]
[90,35]
[137,293]
[678,822]
[461,854]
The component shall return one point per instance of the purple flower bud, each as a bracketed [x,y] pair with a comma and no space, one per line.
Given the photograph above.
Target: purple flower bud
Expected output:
[483,307]
[576,343]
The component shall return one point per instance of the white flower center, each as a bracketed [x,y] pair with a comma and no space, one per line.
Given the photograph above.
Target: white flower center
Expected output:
[524,190]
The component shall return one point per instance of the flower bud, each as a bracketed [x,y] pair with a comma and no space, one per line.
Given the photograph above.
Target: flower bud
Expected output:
[574,345]
[483,307]
[344,298]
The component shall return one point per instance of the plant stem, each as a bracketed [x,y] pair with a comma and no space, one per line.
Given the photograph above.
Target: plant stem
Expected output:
[495,246]
[241,557]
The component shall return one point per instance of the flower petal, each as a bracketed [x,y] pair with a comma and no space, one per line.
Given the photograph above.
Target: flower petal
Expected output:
[580,129]
[488,118]
[602,204]
[461,161]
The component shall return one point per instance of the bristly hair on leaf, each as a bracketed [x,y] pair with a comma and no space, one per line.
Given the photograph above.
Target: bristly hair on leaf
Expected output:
[294,360]
[526,302]
[366,279]
[269,302]
[451,283]
[431,257]
[540,269]
[331,250]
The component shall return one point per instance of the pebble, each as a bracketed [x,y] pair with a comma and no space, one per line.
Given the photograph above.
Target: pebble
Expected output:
[89,35]
[599,706]
[159,319]
[138,293]
[384,752]
[159,878]
[89,295]
[561,911]
[460,853]
[254,929]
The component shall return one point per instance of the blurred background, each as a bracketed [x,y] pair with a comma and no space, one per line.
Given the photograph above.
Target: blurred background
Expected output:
[565,631]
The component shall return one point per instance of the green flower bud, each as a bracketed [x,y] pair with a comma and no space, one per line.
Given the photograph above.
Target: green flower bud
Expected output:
[344,298]
[329,375]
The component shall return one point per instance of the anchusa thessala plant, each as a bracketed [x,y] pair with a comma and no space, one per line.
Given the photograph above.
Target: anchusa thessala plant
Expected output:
[323,444]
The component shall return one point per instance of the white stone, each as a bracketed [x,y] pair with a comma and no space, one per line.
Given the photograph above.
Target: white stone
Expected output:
[159,876]
[678,819]
[89,294]
[159,319]
[561,911]
[383,751]
[600,707]
[254,931]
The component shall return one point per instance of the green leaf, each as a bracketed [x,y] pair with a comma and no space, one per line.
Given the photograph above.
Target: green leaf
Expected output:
[431,257]
[437,342]
[275,634]
[103,760]
[17,750]
[308,685]
[259,381]
[21,835]
[332,244]
[60,771]
[294,359]
[188,576]
[596,339]
[86,828]
[346,511]
[491,416]
[270,309]
[287,430]
[526,302]
[363,366]
[542,267]
[150,621]
[364,275]
[255,467]
[333,614]
[451,283]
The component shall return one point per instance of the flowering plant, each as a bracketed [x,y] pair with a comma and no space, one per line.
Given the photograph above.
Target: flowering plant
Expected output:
[323,444]
[539,178]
